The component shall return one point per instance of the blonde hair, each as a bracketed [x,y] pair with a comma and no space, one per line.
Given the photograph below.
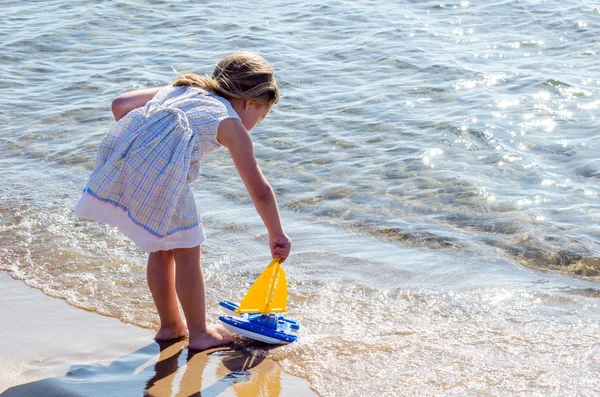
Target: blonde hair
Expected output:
[241,75]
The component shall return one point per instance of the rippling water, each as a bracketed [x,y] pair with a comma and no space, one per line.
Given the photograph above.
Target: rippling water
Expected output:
[437,167]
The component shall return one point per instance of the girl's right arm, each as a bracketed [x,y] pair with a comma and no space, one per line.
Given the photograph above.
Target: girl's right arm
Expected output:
[234,137]
[128,101]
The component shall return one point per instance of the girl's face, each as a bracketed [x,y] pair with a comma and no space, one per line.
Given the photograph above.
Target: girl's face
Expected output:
[251,114]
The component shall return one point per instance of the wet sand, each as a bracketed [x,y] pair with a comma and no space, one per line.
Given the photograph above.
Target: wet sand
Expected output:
[49,348]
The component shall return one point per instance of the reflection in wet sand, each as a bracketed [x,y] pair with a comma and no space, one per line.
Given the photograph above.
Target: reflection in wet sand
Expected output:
[182,372]
[173,370]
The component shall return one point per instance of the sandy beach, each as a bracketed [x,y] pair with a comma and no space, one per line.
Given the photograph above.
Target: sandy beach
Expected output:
[52,349]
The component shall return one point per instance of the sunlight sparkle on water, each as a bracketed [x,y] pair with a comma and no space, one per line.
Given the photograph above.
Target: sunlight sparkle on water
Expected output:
[528,202]
[494,79]
[542,95]
[511,158]
[483,192]
[430,154]
[465,85]
[507,103]
[547,125]
[589,105]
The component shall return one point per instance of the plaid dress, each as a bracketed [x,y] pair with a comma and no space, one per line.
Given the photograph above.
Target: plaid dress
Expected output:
[141,179]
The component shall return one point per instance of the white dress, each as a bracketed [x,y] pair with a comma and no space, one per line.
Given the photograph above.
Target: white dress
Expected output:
[145,164]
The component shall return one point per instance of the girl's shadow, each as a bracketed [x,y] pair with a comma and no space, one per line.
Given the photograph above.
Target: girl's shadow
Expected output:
[157,369]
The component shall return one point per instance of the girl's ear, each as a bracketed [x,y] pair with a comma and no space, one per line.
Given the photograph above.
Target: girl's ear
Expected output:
[248,103]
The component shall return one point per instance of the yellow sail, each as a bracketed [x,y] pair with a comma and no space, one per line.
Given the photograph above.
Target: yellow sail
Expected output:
[279,301]
[268,294]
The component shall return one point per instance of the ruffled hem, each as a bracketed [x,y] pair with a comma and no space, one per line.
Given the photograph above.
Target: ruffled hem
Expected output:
[91,208]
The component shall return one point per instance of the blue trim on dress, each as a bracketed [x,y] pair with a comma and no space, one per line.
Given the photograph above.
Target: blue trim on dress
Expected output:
[152,232]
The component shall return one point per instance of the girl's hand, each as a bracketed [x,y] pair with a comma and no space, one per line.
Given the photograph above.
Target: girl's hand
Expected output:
[280,246]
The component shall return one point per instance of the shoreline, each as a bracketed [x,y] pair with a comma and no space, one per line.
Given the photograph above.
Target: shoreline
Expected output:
[50,348]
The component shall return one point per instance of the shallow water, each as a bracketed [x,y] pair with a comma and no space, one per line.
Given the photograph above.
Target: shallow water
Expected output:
[432,161]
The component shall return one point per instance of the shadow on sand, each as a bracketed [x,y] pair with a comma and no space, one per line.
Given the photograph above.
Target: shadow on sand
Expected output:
[164,369]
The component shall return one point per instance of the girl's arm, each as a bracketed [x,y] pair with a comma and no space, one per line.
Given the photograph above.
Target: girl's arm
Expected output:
[128,101]
[234,137]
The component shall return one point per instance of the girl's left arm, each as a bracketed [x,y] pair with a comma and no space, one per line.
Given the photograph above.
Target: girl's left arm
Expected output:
[234,137]
[128,101]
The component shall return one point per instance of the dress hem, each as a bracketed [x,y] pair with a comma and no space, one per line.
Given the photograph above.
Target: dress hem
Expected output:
[91,208]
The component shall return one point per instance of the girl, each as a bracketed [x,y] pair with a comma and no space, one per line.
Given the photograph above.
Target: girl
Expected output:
[145,164]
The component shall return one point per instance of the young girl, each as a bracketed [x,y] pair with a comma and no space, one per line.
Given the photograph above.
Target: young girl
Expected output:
[145,164]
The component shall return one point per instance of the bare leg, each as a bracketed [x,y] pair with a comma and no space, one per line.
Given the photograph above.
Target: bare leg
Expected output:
[161,280]
[192,295]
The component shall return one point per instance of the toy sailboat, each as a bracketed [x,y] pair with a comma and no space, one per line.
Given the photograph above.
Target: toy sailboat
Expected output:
[256,316]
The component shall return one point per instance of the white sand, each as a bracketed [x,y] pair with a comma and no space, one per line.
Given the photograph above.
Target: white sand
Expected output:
[44,338]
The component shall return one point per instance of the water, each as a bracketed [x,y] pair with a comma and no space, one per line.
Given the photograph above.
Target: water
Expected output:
[436,166]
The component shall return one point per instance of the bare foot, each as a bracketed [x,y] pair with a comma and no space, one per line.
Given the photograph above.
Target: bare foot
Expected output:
[174,332]
[208,339]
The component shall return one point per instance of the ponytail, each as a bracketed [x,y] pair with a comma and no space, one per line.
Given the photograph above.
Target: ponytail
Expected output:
[242,75]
